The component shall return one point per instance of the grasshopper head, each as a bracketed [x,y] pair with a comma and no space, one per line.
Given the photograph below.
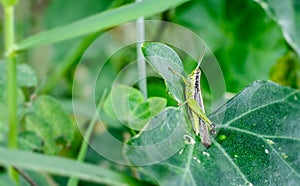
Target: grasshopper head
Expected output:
[194,77]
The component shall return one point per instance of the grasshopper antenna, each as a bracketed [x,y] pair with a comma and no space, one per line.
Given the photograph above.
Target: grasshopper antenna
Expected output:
[201,57]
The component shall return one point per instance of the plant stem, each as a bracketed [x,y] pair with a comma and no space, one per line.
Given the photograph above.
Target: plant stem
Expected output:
[73,181]
[141,64]
[26,177]
[11,82]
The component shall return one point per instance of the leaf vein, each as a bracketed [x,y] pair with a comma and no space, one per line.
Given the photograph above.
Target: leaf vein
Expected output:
[283,160]
[230,161]
[263,137]
[188,163]
[259,107]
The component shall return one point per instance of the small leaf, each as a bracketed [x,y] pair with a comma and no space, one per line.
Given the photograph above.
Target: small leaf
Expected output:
[165,61]
[156,105]
[50,111]
[121,102]
[142,111]
[126,104]
[29,141]
[26,76]
[44,131]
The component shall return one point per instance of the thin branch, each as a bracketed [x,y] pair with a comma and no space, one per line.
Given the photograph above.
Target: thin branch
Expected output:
[25,176]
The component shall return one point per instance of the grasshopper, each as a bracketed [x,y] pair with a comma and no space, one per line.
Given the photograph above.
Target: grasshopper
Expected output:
[201,123]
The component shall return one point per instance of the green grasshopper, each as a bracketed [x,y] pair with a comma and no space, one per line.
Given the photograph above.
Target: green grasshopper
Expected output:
[193,96]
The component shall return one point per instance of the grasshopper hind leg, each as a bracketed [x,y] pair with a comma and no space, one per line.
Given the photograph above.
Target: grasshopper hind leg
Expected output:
[204,134]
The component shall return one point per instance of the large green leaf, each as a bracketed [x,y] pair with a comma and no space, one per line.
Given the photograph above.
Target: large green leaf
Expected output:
[98,22]
[287,15]
[63,167]
[257,143]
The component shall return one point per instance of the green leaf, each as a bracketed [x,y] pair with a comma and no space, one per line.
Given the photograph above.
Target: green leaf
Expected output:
[121,102]
[160,139]
[126,104]
[50,122]
[82,9]
[287,16]
[164,60]
[29,141]
[44,130]
[142,111]
[63,167]
[156,105]
[51,112]
[3,99]
[26,76]
[257,143]
[91,24]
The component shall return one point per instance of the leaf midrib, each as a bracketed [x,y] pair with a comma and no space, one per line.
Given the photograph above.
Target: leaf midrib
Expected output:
[230,161]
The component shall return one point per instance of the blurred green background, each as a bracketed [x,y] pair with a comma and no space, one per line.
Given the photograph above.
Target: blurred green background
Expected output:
[248,44]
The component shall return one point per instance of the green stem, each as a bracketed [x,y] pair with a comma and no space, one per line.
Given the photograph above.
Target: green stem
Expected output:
[11,82]
[141,63]
[73,181]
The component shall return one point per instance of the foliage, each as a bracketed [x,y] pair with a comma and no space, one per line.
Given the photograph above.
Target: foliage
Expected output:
[257,129]
[260,116]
